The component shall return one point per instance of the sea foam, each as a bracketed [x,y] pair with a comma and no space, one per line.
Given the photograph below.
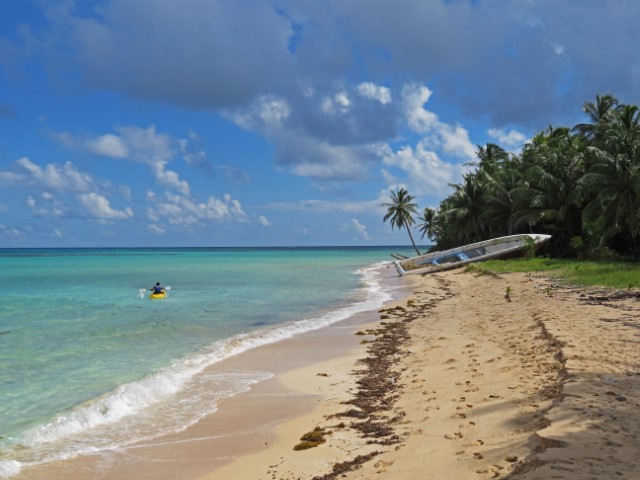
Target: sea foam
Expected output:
[173,398]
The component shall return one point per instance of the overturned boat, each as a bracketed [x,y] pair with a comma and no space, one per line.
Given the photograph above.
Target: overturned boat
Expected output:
[501,247]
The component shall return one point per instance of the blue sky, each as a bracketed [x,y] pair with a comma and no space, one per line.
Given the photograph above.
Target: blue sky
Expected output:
[264,123]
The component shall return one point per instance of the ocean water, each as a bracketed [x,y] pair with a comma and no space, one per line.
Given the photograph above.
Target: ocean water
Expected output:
[88,363]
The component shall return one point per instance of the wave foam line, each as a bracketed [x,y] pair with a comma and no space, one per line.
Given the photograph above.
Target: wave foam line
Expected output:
[128,401]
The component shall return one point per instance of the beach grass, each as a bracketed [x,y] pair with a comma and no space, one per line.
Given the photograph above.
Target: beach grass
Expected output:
[585,272]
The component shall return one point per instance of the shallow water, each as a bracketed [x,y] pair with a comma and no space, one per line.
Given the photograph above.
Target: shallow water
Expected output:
[86,365]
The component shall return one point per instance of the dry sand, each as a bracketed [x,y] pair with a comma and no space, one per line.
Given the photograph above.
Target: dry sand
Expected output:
[459,380]
[541,383]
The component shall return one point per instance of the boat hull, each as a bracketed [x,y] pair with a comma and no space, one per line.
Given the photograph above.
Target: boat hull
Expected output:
[501,247]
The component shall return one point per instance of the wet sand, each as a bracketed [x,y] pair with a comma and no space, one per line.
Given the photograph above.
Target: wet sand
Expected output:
[469,377]
[538,383]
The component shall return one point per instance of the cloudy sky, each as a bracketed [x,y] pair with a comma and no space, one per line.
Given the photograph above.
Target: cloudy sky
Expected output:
[278,122]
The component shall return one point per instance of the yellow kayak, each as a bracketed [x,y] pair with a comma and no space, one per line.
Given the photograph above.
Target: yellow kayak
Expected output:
[157,296]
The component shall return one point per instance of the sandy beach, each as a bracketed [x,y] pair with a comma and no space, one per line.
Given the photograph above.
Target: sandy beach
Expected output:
[510,376]
[542,384]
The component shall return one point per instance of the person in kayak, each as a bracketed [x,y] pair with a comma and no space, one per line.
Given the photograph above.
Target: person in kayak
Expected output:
[157,288]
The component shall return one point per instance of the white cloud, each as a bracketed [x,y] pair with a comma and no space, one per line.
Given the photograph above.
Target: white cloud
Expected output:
[414,97]
[322,160]
[339,103]
[169,178]
[55,177]
[99,207]
[375,92]
[55,233]
[181,210]
[360,229]
[108,145]
[52,207]
[267,112]
[425,171]
[452,139]
[142,145]
[264,221]
[508,140]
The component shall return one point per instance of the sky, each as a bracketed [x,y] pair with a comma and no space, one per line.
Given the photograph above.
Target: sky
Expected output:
[156,123]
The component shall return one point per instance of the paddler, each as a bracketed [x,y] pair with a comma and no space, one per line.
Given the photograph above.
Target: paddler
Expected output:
[157,288]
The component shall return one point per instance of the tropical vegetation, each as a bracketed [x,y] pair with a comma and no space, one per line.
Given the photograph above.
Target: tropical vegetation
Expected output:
[579,184]
[611,274]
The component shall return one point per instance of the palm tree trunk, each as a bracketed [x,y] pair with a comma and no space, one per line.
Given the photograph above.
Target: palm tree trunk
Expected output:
[412,241]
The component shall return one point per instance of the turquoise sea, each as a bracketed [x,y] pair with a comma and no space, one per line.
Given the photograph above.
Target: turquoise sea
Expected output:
[87,360]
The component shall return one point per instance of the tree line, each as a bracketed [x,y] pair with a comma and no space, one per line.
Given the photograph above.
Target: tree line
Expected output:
[579,184]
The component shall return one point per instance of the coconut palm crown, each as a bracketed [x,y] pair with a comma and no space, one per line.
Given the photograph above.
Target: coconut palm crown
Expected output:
[400,210]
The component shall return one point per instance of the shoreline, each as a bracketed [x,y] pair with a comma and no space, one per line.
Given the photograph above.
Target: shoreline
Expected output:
[241,424]
[538,383]
[455,380]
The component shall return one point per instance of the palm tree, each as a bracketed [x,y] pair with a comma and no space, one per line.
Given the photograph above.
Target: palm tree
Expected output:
[428,225]
[500,202]
[399,210]
[599,113]
[550,195]
[466,207]
[614,179]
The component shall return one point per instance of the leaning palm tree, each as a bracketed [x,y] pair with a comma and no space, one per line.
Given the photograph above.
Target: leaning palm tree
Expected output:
[399,210]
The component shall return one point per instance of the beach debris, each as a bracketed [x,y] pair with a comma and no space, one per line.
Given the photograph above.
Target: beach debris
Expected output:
[374,412]
[507,295]
[312,439]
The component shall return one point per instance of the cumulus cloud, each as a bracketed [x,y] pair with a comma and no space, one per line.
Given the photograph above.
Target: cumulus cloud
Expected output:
[266,113]
[426,172]
[99,207]
[48,205]
[108,145]
[142,145]
[339,103]
[375,92]
[264,221]
[330,140]
[452,139]
[52,176]
[494,64]
[182,210]
[509,140]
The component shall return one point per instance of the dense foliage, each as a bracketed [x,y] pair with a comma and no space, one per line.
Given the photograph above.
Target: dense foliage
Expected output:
[581,185]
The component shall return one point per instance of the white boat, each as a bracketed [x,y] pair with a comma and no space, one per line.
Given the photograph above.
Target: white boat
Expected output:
[501,247]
